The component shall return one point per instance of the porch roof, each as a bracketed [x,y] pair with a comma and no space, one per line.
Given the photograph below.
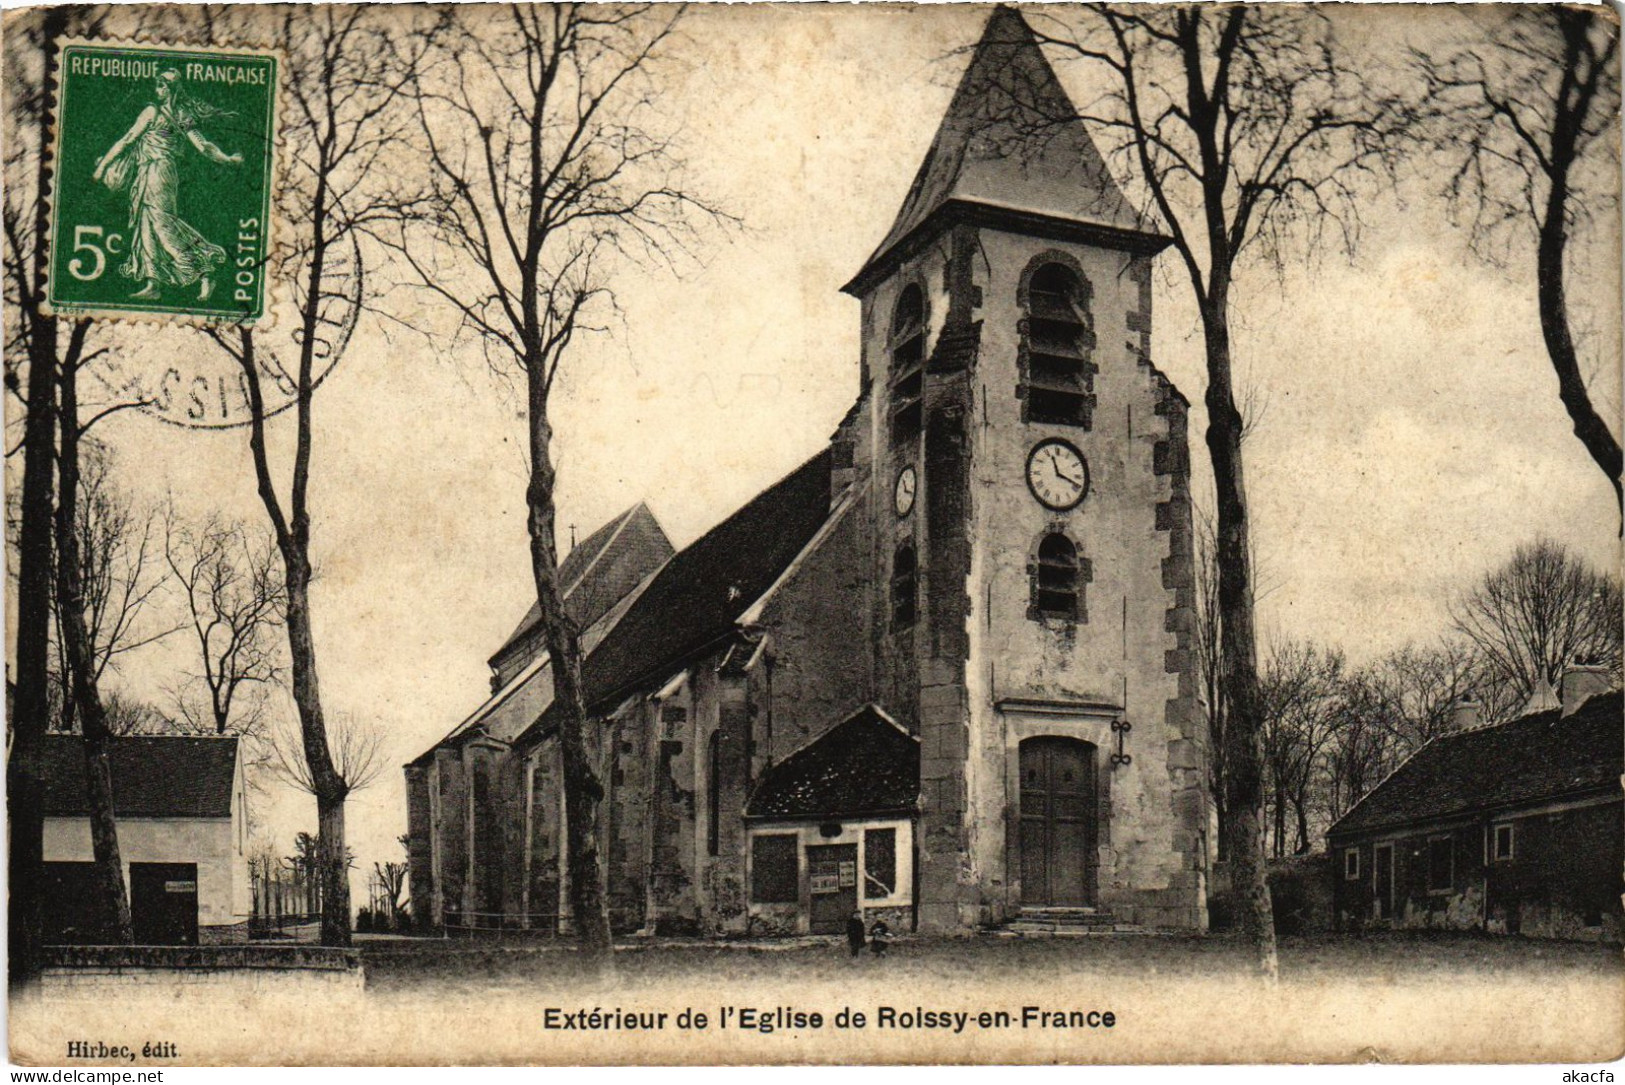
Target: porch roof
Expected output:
[865,766]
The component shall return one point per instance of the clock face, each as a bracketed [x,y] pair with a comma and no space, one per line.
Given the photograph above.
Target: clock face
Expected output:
[1057,474]
[903,494]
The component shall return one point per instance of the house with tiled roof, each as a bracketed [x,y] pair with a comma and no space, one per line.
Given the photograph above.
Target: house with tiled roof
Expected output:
[1511,828]
[182,828]
[941,672]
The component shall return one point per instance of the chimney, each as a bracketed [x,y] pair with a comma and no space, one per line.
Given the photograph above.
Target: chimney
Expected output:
[1580,683]
[1464,715]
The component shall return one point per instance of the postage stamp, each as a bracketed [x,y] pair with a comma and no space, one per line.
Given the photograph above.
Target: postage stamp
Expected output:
[162,194]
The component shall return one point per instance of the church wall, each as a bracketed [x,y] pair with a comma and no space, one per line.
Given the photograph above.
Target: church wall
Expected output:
[726,870]
[897,651]
[815,670]
[1129,647]
[420,846]
[673,907]
[450,828]
[625,820]
[920,669]
[544,874]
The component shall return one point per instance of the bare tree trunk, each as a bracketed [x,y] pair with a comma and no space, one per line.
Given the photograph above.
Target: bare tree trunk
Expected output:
[92,715]
[25,817]
[1300,805]
[334,876]
[293,542]
[1589,427]
[1244,755]
[329,788]
[583,790]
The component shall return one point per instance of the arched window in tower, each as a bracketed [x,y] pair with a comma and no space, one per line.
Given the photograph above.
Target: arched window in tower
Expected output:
[1057,344]
[904,581]
[907,343]
[1058,578]
[713,796]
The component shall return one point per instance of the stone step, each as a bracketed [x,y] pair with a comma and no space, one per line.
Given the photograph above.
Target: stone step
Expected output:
[1064,921]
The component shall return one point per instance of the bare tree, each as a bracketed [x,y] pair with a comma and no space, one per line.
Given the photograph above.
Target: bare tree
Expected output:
[72,622]
[392,880]
[1298,695]
[127,715]
[1210,670]
[541,130]
[1361,749]
[357,746]
[345,70]
[1248,132]
[234,598]
[1540,612]
[118,570]
[1528,111]
[36,344]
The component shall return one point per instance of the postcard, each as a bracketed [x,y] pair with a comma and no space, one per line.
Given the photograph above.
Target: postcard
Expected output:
[813,534]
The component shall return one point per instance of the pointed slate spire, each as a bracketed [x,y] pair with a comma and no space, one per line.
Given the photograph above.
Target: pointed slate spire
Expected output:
[1011,139]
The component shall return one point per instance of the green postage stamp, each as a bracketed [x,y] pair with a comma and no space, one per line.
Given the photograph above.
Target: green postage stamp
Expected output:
[161,201]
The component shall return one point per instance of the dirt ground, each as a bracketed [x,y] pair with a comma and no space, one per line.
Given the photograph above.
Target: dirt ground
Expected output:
[1119,998]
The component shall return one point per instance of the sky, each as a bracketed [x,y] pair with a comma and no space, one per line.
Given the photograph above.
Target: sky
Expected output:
[1409,433]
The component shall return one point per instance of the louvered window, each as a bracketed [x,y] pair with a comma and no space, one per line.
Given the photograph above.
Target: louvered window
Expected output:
[1057,341]
[903,587]
[907,367]
[1058,579]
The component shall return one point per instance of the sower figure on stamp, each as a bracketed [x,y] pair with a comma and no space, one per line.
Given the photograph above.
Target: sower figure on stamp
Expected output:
[164,248]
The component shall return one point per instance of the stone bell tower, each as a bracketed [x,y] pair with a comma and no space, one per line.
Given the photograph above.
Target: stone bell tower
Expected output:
[1032,543]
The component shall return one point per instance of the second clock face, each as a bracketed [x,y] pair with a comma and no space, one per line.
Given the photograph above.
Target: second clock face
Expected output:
[1057,474]
[903,493]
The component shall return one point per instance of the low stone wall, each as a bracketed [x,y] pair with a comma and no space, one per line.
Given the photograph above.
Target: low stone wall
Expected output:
[268,969]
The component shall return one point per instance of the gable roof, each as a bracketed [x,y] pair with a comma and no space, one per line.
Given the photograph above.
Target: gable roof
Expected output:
[154,776]
[694,601]
[1011,138]
[1534,758]
[864,766]
[583,597]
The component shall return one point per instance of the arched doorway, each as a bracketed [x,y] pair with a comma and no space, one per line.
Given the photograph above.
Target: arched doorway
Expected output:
[1058,823]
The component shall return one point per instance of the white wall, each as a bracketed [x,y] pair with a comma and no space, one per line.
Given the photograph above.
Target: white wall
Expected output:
[211,843]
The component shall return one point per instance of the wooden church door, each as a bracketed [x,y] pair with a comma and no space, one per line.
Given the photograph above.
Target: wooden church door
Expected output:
[1058,823]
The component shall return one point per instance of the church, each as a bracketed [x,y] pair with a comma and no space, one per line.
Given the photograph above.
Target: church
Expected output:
[942,673]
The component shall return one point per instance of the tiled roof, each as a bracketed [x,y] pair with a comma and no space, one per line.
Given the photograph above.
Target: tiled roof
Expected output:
[694,601]
[864,766]
[1011,137]
[1531,759]
[583,598]
[154,776]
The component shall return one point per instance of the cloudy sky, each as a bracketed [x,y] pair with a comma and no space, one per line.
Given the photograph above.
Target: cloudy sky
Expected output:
[1410,432]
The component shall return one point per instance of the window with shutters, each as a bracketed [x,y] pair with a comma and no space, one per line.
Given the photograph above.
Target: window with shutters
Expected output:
[774,878]
[907,343]
[879,863]
[1501,843]
[1057,347]
[1058,578]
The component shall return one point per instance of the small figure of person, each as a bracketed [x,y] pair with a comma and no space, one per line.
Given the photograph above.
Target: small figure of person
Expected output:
[854,932]
[164,248]
[879,938]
